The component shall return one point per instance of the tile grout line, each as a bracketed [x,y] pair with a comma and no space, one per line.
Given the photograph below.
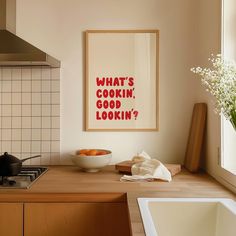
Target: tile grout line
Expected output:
[21,116]
[41,122]
[31,77]
[21,142]
[50,150]
[11,111]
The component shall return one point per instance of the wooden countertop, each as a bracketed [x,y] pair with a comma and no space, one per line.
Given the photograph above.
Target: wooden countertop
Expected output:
[68,184]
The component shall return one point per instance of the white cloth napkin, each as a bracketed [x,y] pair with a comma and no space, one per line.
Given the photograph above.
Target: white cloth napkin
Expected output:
[147,169]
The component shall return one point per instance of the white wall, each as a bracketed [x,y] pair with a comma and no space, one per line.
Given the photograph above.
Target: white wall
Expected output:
[209,42]
[57,27]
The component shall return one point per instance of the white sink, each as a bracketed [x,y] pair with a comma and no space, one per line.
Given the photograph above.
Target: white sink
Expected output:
[188,216]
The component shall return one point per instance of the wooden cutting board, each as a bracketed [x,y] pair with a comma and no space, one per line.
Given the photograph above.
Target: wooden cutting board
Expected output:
[195,139]
[125,167]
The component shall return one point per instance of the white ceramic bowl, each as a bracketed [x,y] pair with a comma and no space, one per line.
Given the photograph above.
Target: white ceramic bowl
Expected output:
[91,163]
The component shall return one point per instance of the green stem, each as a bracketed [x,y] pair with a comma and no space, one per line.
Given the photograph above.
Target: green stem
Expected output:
[233,119]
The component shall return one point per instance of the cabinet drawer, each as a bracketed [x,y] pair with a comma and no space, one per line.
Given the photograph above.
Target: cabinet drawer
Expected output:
[11,219]
[62,219]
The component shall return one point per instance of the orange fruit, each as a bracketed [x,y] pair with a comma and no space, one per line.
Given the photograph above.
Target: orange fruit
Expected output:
[83,151]
[101,153]
[92,152]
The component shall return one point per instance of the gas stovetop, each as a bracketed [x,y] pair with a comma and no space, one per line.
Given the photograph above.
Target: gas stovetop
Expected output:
[27,176]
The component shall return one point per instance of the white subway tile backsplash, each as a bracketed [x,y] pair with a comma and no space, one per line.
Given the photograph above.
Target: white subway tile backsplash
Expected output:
[46,74]
[16,134]
[55,74]
[46,98]
[55,122]
[26,134]
[16,146]
[46,122]
[55,85]
[6,146]
[16,86]
[26,146]
[46,110]
[55,98]
[30,113]
[36,86]
[6,110]
[26,98]
[6,134]
[26,122]
[55,146]
[36,73]
[36,122]
[6,122]
[26,86]
[36,110]
[46,146]
[16,74]
[36,98]
[6,98]
[35,161]
[55,134]
[6,74]
[16,110]
[46,86]
[6,86]
[35,146]
[26,74]
[55,110]
[45,159]
[16,122]
[36,134]
[16,98]
[46,134]
[26,110]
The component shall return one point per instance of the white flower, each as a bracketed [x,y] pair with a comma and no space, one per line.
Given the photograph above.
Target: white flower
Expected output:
[220,81]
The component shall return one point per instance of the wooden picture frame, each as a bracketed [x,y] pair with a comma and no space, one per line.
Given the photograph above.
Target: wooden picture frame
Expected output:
[122,80]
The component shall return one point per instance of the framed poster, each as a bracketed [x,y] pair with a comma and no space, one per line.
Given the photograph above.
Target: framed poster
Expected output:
[122,80]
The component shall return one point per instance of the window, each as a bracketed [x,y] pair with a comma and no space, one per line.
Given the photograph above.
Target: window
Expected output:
[228,134]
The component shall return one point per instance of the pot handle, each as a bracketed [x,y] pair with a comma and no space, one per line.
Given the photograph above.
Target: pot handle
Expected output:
[25,159]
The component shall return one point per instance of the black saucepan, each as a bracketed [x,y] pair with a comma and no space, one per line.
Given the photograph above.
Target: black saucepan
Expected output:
[11,165]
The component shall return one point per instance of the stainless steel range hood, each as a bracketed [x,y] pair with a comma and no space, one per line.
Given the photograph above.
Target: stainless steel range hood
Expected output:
[15,51]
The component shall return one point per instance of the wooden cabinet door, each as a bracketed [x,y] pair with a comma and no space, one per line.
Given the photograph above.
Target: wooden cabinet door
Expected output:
[76,219]
[11,219]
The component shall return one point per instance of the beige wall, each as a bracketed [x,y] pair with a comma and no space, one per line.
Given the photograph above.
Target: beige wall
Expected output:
[210,34]
[209,20]
[57,26]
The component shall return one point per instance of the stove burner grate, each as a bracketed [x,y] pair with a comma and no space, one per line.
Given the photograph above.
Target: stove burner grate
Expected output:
[27,176]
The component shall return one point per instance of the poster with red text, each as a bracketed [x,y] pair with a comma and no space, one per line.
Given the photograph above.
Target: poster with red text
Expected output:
[121,80]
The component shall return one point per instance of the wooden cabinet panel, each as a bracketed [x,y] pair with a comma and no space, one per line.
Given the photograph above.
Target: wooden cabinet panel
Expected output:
[11,219]
[75,219]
